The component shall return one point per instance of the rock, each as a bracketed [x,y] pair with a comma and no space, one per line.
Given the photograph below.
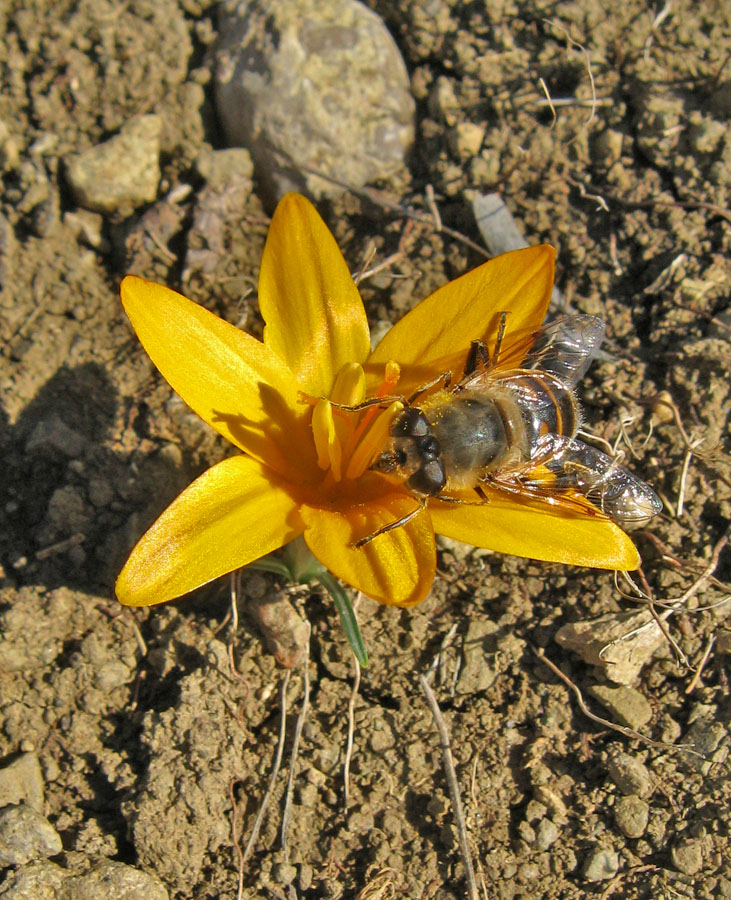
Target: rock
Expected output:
[319,82]
[39,880]
[54,434]
[630,775]
[476,673]
[627,705]
[22,782]
[26,835]
[687,857]
[218,167]
[122,173]
[621,643]
[546,834]
[600,865]
[631,814]
[709,738]
[114,881]
[465,139]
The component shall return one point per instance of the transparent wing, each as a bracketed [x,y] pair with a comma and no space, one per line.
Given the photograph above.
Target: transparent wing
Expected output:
[565,347]
[561,466]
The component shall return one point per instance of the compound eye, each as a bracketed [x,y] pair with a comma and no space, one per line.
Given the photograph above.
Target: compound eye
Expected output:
[411,423]
[429,480]
[429,448]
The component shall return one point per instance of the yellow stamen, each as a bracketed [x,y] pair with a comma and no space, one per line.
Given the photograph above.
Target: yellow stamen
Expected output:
[373,441]
[327,443]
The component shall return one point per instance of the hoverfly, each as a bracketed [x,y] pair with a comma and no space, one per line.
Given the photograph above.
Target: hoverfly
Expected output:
[512,430]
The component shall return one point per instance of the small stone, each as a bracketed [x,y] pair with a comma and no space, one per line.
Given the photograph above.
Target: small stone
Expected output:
[626,704]
[687,857]
[631,814]
[114,881]
[54,434]
[100,492]
[465,139]
[305,876]
[219,167]
[25,834]
[620,643]
[313,85]
[37,880]
[476,673]
[630,775]
[21,782]
[284,873]
[600,865]
[546,834]
[123,172]
[709,738]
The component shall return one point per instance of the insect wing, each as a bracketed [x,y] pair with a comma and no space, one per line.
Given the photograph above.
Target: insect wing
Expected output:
[575,466]
[565,347]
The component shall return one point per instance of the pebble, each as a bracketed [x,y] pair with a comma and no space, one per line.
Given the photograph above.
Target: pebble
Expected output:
[619,643]
[110,880]
[122,173]
[25,834]
[687,857]
[22,782]
[546,834]
[628,706]
[53,433]
[630,775]
[284,873]
[631,814]
[476,673]
[39,880]
[600,865]
[322,83]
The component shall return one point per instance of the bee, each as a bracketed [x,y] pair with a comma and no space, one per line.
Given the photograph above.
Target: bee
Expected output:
[512,430]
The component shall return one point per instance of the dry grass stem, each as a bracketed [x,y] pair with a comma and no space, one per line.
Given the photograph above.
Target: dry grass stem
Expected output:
[451,776]
[275,769]
[351,731]
[606,723]
[287,814]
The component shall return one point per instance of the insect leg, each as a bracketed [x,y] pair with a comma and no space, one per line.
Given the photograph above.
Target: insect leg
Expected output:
[445,378]
[392,525]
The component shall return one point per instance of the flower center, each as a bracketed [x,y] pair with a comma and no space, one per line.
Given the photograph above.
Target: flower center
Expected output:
[348,439]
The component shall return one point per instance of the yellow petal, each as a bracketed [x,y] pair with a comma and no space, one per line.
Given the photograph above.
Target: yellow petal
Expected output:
[314,315]
[396,568]
[235,383]
[468,308]
[537,531]
[234,513]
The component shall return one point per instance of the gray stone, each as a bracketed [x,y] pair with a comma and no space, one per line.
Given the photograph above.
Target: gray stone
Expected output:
[477,674]
[620,643]
[546,834]
[631,814]
[122,173]
[26,835]
[630,775]
[22,782]
[114,881]
[687,857]
[600,865]
[627,705]
[313,85]
[54,434]
[39,880]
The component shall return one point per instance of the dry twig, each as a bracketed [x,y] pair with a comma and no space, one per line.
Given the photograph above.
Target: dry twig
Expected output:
[448,763]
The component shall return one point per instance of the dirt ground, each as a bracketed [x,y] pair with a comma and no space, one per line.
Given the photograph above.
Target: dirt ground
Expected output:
[155,751]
